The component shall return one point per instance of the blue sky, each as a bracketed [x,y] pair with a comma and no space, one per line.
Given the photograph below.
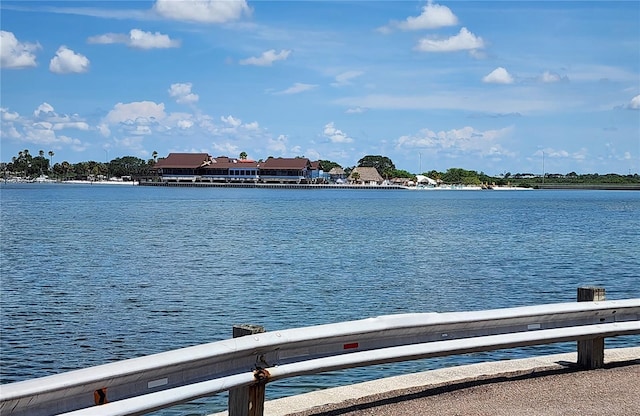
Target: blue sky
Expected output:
[491,86]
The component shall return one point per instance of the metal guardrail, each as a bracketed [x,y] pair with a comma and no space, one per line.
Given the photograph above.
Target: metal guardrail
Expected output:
[144,384]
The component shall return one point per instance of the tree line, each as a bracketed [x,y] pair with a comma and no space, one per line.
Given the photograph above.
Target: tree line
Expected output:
[25,165]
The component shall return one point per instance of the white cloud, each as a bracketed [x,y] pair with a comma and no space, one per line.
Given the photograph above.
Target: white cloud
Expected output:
[267,58]
[15,54]
[552,153]
[463,41]
[7,130]
[233,122]
[498,76]
[8,116]
[433,16]
[79,125]
[202,11]
[297,88]
[252,126]
[67,61]
[147,40]
[345,78]
[185,124]
[552,77]
[466,140]
[278,145]
[226,148]
[136,39]
[44,109]
[182,93]
[141,130]
[335,135]
[104,130]
[634,104]
[109,38]
[355,110]
[136,112]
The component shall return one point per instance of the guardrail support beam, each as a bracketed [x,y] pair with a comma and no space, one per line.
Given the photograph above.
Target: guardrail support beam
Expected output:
[591,351]
[248,400]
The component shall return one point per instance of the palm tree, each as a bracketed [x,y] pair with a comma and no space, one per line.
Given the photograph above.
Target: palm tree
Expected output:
[51,159]
[243,155]
[155,156]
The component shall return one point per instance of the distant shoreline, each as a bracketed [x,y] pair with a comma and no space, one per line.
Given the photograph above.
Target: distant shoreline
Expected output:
[603,187]
[548,186]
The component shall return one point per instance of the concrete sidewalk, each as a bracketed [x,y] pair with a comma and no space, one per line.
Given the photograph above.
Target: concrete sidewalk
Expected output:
[548,385]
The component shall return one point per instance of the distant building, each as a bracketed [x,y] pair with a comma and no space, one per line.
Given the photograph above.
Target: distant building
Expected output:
[283,170]
[365,176]
[336,174]
[200,167]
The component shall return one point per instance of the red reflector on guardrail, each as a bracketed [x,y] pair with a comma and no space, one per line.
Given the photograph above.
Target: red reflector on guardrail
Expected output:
[350,346]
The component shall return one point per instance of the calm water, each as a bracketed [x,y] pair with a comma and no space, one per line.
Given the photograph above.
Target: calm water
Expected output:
[93,274]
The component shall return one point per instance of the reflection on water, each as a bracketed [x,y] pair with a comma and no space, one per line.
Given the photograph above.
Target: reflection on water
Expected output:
[97,274]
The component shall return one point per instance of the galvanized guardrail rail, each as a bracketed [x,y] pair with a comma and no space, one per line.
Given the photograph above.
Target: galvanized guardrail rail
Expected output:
[244,365]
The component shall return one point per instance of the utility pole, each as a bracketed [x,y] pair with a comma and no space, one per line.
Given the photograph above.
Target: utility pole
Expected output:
[543,167]
[106,161]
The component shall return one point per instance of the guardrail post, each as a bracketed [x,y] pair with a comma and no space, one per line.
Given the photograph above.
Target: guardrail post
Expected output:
[591,351]
[248,400]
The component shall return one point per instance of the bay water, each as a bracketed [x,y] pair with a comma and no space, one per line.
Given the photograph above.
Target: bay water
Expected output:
[92,274]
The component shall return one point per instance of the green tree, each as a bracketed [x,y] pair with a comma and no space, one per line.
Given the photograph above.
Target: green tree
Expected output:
[128,166]
[327,165]
[51,158]
[243,155]
[67,170]
[383,164]
[399,173]
[462,176]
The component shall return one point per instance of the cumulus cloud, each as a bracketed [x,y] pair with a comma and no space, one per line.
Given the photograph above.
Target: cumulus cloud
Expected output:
[41,129]
[278,144]
[552,153]
[297,88]
[345,78]
[226,148]
[466,140]
[104,129]
[355,110]
[334,135]
[202,11]
[136,112]
[78,125]
[43,109]
[463,41]
[548,77]
[185,124]
[15,54]
[182,93]
[634,104]
[136,38]
[498,76]
[230,120]
[6,115]
[267,58]
[67,61]
[433,16]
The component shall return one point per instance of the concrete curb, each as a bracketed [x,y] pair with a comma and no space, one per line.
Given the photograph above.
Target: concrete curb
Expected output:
[434,379]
